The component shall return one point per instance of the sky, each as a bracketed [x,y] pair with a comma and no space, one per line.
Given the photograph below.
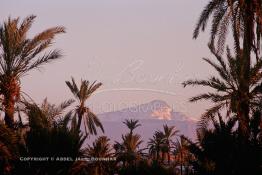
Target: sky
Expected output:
[141,50]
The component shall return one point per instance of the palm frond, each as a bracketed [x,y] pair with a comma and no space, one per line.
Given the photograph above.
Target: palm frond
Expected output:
[203,19]
[209,115]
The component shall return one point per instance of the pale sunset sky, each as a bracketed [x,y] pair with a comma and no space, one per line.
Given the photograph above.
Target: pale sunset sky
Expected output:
[141,50]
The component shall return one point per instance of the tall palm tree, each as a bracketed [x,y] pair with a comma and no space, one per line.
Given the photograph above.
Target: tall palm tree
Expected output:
[155,145]
[246,22]
[19,55]
[169,133]
[100,149]
[226,91]
[82,112]
[131,124]
[128,150]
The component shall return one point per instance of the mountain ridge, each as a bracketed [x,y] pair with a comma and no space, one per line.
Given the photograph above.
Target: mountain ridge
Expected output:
[155,109]
[151,116]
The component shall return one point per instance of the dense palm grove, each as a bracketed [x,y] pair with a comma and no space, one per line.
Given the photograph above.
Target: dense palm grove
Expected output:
[229,135]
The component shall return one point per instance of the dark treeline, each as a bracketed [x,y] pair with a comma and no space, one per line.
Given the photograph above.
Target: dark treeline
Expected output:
[229,133]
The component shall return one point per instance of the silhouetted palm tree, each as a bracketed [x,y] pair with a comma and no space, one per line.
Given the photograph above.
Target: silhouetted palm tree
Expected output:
[226,91]
[182,154]
[169,133]
[54,112]
[155,145]
[131,124]
[246,20]
[82,112]
[243,15]
[215,149]
[128,151]
[19,55]
[100,149]
[51,139]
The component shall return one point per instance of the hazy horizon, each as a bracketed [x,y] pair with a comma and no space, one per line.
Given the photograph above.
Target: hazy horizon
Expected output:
[140,50]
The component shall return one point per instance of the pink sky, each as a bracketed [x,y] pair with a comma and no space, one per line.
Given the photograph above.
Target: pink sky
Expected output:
[140,50]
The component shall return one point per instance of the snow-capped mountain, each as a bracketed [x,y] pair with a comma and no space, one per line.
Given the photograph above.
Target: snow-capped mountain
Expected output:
[156,109]
[152,116]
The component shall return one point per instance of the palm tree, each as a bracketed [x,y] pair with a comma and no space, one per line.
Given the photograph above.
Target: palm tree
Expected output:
[169,133]
[19,55]
[226,91]
[131,124]
[100,149]
[52,111]
[215,150]
[82,112]
[49,137]
[243,15]
[246,21]
[155,145]
[128,151]
[45,137]
[182,154]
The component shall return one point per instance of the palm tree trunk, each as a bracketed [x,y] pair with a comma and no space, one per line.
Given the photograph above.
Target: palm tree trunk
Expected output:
[80,113]
[9,120]
[79,121]
[9,105]
[246,62]
[157,156]
[10,89]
